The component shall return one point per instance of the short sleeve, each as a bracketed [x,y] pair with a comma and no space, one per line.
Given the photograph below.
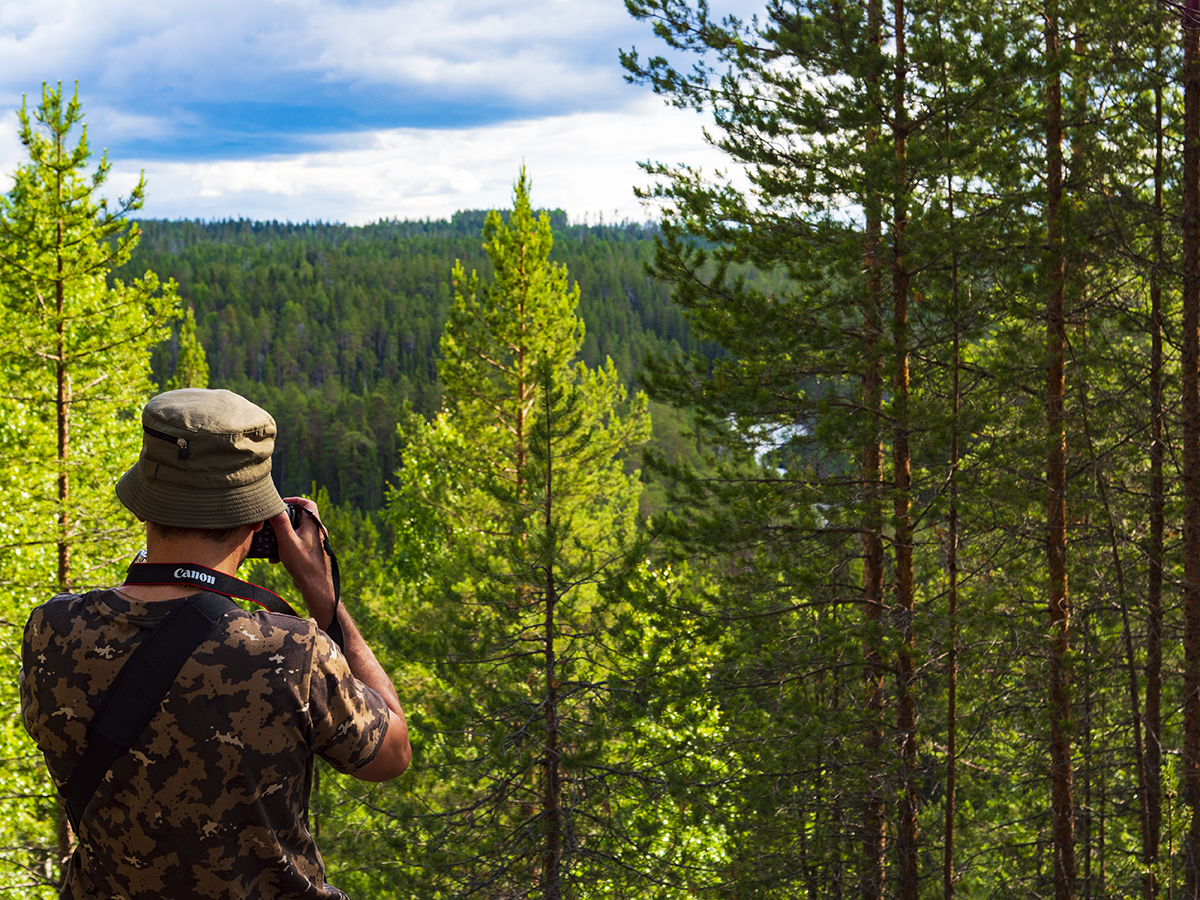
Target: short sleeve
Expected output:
[349,719]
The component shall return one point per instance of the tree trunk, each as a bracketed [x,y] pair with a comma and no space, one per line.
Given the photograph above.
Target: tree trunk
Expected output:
[906,843]
[952,578]
[1154,597]
[551,763]
[62,380]
[1062,803]
[874,805]
[63,413]
[1191,446]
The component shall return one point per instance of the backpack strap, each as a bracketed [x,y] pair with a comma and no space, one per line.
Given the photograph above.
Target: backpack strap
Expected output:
[137,692]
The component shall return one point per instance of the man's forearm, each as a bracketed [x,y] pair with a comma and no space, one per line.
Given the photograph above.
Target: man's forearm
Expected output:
[302,553]
[364,665]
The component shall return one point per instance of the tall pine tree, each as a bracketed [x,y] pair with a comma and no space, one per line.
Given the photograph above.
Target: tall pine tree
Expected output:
[75,366]
[513,508]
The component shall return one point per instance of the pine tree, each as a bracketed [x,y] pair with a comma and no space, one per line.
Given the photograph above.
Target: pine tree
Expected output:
[823,107]
[1038,329]
[75,365]
[515,503]
[77,353]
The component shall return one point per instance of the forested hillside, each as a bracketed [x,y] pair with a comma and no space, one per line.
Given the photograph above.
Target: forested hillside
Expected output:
[335,328]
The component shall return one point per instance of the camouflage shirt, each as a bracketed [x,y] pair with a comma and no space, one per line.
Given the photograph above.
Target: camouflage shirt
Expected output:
[212,799]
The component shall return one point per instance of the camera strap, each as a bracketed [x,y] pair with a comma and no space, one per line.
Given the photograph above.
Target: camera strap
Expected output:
[206,579]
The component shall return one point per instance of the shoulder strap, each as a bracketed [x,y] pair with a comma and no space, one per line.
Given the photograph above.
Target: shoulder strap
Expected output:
[137,692]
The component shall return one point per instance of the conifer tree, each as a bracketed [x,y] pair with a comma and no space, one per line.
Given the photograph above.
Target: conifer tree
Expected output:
[77,354]
[191,364]
[833,112]
[514,503]
[74,364]
[1023,237]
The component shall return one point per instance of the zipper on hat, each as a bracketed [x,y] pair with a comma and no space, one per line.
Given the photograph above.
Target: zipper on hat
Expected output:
[184,453]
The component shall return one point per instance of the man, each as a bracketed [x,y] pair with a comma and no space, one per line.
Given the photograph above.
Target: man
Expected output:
[211,799]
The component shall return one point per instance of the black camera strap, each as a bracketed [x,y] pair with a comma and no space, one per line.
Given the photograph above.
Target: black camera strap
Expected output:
[207,579]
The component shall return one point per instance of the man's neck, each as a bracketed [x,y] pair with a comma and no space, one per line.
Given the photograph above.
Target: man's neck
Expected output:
[225,557]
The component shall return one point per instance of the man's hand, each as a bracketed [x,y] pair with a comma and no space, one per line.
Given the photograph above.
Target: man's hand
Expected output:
[303,555]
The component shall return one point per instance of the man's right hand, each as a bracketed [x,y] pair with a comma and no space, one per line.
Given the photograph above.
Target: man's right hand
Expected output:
[303,555]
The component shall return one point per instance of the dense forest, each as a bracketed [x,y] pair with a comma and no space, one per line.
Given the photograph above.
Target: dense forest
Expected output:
[336,329]
[909,400]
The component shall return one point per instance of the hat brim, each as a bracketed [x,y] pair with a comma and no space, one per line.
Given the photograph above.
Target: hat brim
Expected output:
[189,507]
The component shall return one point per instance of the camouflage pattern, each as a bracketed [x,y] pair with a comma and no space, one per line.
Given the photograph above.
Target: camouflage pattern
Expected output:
[212,799]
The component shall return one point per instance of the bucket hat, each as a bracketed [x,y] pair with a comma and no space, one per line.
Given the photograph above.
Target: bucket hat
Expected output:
[205,462]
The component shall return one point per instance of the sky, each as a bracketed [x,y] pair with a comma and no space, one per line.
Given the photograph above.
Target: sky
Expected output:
[353,110]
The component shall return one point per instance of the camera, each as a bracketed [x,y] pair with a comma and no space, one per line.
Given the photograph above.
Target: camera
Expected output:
[264,544]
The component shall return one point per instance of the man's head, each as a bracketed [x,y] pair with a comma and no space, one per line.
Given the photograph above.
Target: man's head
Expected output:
[205,463]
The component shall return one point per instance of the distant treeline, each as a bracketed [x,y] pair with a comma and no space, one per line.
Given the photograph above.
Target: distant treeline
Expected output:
[334,328]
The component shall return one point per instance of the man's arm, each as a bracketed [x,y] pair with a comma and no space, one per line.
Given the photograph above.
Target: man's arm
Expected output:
[303,556]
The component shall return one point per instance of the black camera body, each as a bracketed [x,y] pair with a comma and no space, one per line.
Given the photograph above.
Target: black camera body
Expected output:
[264,544]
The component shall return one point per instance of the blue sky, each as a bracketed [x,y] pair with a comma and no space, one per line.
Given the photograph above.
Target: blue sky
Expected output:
[352,110]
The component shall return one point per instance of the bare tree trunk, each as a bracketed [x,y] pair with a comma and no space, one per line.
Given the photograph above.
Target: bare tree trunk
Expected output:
[1062,803]
[1191,446]
[1154,597]
[874,805]
[906,843]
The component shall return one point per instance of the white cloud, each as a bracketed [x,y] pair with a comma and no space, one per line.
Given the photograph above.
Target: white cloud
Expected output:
[232,50]
[534,51]
[194,92]
[583,163]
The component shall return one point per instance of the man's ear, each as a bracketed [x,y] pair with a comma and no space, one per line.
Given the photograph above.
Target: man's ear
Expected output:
[256,526]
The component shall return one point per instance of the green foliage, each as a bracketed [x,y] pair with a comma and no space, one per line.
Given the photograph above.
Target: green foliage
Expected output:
[512,509]
[882,185]
[722,719]
[75,358]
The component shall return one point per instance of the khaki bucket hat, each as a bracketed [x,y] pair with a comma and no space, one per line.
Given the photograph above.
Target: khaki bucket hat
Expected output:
[205,462]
